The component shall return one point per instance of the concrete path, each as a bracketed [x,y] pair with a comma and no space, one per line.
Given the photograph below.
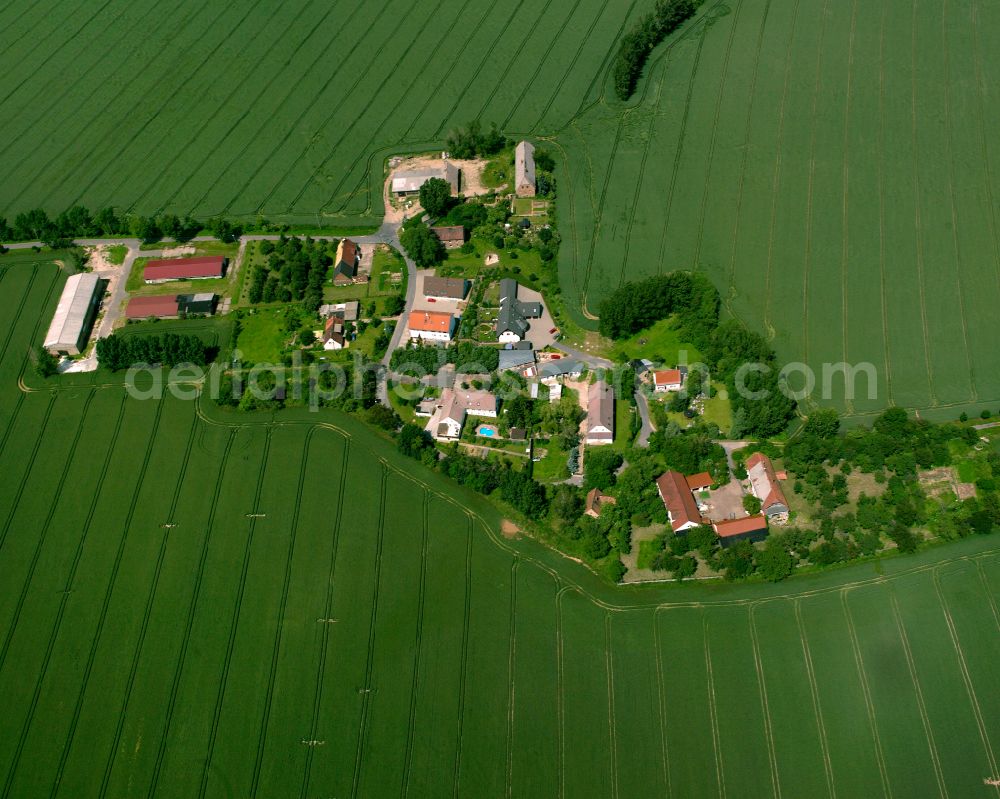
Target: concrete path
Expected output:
[647,428]
[593,361]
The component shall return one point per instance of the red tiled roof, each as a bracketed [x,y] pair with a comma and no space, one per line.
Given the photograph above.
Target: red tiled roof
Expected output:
[699,480]
[348,252]
[430,321]
[748,524]
[182,268]
[667,376]
[450,233]
[143,307]
[677,498]
[765,482]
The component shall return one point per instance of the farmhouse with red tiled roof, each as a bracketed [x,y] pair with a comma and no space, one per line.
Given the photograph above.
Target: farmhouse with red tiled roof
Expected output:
[679,501]
[764,485]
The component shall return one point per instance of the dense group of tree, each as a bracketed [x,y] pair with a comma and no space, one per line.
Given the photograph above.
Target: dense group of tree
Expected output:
[651,29]
[80,223]
[295,271]
[465,355]
[693,302]
[116,352]
[421,244]
[435,197]
[472,140]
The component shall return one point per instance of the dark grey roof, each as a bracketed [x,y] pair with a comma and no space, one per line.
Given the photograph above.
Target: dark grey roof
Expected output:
[514,313]
[564,366]
[512,359]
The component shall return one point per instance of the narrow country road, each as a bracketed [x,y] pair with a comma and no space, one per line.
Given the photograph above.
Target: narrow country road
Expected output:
[647,428]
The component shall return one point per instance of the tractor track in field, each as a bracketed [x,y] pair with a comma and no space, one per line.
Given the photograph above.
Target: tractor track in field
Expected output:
[417,647]
[949,147]
[916,206]
[776,179]
[981,113]
[370,659]
[713,709]
[130,33]
[327,610]
[703,206]
[114,101]
[237,608]
[764,704]
[249,106]
[511,663]
[817,703]
[96,639]
[43,533]
[64,599]
[609,668]
[845,190]
[365,177]
[30,462]
[989,593]
[883,282]
[38,45]
[661,704]
[560,699]
[859,662]
[921,706]
[812,182]
[26,7]
[463,672]
[679,152]
[303,155]
[966,674]
[282,606]
[147,612]
[751,98]
[189,623]
[306,108]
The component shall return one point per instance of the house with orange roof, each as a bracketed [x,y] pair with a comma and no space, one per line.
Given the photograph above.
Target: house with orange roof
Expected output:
[752,528]
[679,501]
[431,325]
[668,380]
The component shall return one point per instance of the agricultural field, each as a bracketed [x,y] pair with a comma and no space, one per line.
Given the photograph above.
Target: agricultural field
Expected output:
[186,609]
[831,167]
[241,109]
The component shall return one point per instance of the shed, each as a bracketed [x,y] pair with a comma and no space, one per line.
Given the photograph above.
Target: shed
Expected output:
[74,317]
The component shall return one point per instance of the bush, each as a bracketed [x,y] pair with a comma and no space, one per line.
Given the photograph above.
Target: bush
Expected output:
[639,42]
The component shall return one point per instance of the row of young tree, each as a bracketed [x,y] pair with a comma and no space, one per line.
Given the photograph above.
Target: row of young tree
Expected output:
[638,43]
[79,222]
[117,351]
[466,356]
[295,271]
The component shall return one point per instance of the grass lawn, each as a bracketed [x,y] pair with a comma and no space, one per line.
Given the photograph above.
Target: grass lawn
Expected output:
[553,466]
[499,170]
[623,424]
[262,337]
[659,343]
[648,550]
[116,254]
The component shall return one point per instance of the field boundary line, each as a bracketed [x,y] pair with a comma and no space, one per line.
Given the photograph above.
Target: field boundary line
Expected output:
[772,755]
[817,702]
[282,609]
[370,664]
[346,96]
[462,683]
[751,97]
[949,145]
[147,611]
[404,787]
[237,608]
[916,206]
[924,718]
[845,188]
[249,106]
[661,703]
[114,100]
[859,663]
[30,460]
[43,534]
[713,711]
[609,665]
[710,158]
[192,609]
[966,676]
[109,591]
[776,179]
[511,662]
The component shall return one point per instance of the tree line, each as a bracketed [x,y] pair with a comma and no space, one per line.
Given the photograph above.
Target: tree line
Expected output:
[651,29]
[117,352]
[463,354]
[79,222]
[472,140]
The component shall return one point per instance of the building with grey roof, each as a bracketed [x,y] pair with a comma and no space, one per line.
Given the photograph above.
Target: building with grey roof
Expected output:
[515,359]
[563,367]
[406,182]
[524,169]
[74,316]
[512,320]
[446,288]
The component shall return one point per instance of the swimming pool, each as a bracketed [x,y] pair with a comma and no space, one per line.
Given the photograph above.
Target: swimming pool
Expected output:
[487,432]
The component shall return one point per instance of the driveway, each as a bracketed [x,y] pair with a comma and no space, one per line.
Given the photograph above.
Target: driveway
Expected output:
[647,428]
[593,361]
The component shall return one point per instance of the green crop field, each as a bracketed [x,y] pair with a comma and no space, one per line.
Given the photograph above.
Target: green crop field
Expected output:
[326,618]
[830,165]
